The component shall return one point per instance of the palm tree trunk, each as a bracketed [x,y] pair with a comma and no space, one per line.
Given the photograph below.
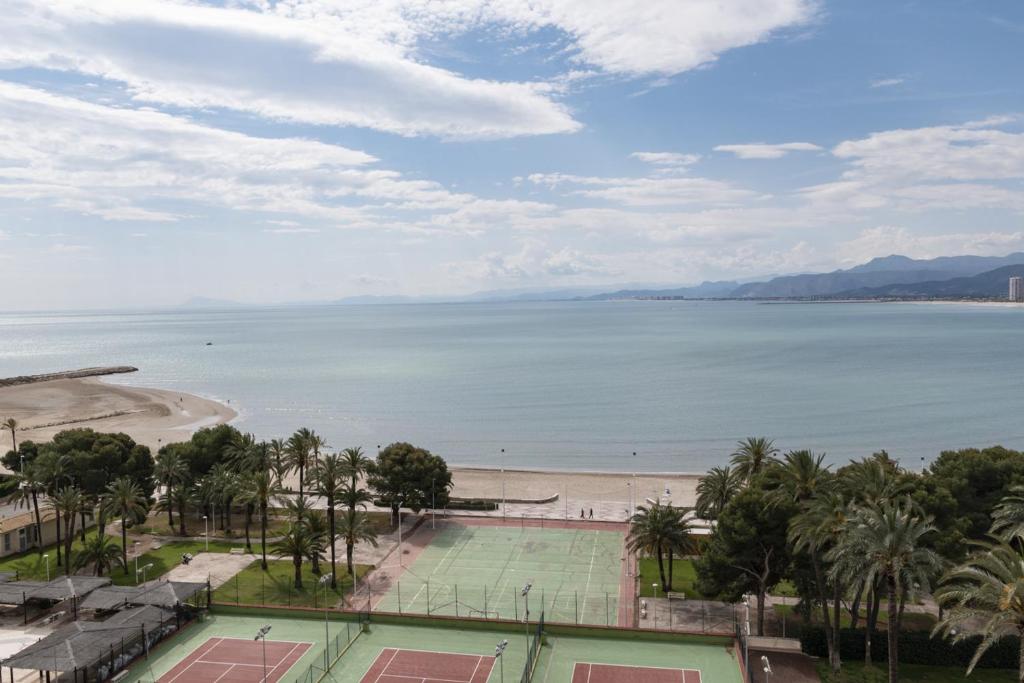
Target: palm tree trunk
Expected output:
[81,514]
[59,538]
[67,543]
[1020,658]
[855,605]
[297,561]
[263,534]
[837,604]
[181,517]
[124,543]
[661,567]
[894,659]
[227,510]
[760,609]
[348,559]
[39,522]
[334,562]
[170,505]
[830,635]
[670,563]
[248,523]
[302,480]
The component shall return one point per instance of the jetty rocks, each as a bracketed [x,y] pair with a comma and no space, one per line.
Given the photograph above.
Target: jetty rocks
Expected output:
[67,374]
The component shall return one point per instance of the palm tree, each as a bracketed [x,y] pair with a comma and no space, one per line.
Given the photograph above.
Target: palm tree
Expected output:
[101,551]
[260,489]
[331,475]
[1008,516]
[298,452]
[985,595]
[355,528]
[752,456]
[715,489]
[885,543]
[356,464]
[124,499]
[659,529]
[317,527]
[54,471]
[297,544]
[66,503]
[278,451]
[170,470]
[316,444]
[27,494]
[12,424]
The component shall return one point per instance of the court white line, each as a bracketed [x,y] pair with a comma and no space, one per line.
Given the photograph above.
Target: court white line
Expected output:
[224,674]
[282,661]
[177,675]
[393,655]
[590,571]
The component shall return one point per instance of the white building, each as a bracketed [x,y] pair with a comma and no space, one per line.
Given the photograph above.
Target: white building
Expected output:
[1017,289]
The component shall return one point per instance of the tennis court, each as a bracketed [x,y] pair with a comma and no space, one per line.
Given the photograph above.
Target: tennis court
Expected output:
[419,666]
[233,660]
[575,574]
[618,673]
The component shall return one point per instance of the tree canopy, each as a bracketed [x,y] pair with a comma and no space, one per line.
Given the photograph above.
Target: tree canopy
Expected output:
[412,475]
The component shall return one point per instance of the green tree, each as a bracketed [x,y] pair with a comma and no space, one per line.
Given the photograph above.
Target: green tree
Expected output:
[26,452]
[11,425]
[749,551]
[662,531]
[260,489]
[887,542]
[317,528]
[27,493]
[101,552]
[355,527]
[714,491]
[171,471]
[752,456]
[404,475]
[297,544]
[124,499]
[331,478]
[67,502]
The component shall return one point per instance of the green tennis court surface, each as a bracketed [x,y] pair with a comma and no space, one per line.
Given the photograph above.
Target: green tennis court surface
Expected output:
[387,650]
[480,571]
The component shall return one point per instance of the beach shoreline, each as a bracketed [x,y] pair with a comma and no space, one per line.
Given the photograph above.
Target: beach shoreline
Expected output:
[152,417]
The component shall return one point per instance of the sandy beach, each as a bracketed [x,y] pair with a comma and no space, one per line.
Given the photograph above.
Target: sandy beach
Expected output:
[150,416]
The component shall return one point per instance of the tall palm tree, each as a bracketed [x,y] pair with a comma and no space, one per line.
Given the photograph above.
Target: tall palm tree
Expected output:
[27,493]
[355,528]
[170,470]
[299,449]
[297,544]
[331,478]
[885,542]
[317,528]
[67,502]
[752,456]
[356,464]
[55,472]
[715,489]
[659,530]
[317,443]
[985,595]
[12,425]
[278,451]
[125,499]
[101,552]
[261,488]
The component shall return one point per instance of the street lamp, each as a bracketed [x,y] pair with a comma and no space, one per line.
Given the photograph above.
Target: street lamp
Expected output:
[262,635]
[206,531]
[324,581]
[526,600]
[135,547]
[46,556]
[498,651]
[503,483]
[145,567]
[401,560]
[766,666]
[433,504]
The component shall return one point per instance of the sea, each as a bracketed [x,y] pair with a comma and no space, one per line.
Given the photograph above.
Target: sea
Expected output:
[600,386]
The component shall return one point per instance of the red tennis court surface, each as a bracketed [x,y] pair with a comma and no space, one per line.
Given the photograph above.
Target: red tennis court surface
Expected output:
[234,660]
[614,673]
[417,666]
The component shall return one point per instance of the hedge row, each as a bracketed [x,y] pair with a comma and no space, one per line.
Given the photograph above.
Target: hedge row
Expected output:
[915,647]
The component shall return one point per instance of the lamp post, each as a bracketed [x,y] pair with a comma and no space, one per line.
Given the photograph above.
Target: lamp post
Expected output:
[262,635]
[766,666]
[206,531]
[324,581]
[503,483]
[746,633]
[135,547]
[46,556]
[401,560]
[144,569]
[498,651]
[526,601]
[433,504]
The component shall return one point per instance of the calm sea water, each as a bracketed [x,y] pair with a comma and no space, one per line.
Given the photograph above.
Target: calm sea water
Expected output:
[575,385]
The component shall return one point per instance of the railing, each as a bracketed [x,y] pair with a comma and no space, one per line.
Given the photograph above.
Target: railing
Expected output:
[533,651]
[333,651]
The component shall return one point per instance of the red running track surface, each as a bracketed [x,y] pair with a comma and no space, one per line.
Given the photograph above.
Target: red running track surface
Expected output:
[417,666]
[235,660]
[614,673]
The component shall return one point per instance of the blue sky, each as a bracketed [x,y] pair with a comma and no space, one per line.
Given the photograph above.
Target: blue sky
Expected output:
[153,150]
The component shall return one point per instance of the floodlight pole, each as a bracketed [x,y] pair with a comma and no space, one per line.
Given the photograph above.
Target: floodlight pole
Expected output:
[262,635]
[503,483]
[206,531]
[526,617]
[400,559]
[498,651]
[46,556]
[433,504]
[324,580]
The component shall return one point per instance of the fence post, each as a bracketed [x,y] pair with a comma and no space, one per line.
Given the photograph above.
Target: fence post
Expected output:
[428,597]
[398,585]
[607,612]
[576,602]
[669,611]
[456,599]
[263,588]
[236,589]
[515,603]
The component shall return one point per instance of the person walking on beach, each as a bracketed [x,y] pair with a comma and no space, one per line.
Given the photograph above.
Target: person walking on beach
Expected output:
[581,513]
[591,513]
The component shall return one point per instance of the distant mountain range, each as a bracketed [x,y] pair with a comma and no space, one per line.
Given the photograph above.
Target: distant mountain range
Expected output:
[992,284]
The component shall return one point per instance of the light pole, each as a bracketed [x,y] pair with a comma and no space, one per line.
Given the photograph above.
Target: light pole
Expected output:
[46,556]
[262,635]
[503,483]
[526,601]
[766,666]
[746,633]
[498,651]
[433,504]
[324,580]
[145,567]
[135,547]
[206,531]
[401,560]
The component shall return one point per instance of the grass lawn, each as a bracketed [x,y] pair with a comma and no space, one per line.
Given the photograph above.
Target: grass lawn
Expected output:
[156,524]
[912,621]
[684,579]
[276,586]
[856,672]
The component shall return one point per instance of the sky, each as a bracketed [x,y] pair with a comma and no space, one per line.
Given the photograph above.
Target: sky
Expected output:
[307,150]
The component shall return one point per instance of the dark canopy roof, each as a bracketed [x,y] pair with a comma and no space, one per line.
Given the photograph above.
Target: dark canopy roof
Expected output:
[82,644]
[61,588]
[160,593]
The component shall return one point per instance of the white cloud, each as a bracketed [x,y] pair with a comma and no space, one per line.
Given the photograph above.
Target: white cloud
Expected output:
[534,261]
[887,239]
[291,231]
[61,248]
[666,158]
[761,150]
[887,82]
[294,62]
[660,191]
